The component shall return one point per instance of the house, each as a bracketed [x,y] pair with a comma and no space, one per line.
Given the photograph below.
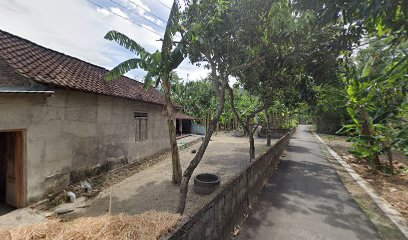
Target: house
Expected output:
[60,120]
[184,123]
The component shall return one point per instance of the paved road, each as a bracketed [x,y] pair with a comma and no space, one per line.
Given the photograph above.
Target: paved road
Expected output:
[305,199]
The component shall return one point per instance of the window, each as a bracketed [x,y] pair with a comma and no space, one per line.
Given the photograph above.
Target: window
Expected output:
[141,126]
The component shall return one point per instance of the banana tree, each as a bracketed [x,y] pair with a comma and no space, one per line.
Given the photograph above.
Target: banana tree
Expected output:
[376,104]
[158,66]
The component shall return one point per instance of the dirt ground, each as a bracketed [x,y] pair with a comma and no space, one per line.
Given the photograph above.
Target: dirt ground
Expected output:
[392,187]
[151,189]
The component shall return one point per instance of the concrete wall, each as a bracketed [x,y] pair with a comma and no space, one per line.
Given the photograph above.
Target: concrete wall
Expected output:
[217,219]
[71,134]
[198,129]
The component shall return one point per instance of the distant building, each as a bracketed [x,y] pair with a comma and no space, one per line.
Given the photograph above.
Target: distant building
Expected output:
[60,120]
[184,124]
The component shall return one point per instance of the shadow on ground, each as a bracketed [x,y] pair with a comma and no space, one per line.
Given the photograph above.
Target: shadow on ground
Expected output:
[308,190]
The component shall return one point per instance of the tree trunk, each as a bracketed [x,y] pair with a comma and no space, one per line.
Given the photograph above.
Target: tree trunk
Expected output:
[275,120]
[251,144]
[177,173]
[246,126]
[390,158]
[268,140]
[366,131]
[200,153]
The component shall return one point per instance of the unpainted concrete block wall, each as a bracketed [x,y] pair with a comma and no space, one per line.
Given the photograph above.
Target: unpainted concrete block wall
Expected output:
[216,220]
[71,132]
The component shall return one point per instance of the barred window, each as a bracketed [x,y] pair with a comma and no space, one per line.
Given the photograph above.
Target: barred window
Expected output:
[141,126]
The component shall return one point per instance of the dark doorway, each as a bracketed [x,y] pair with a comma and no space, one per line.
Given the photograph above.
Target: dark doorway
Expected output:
[186,126]
[183,126]
[178,127]
[11,171]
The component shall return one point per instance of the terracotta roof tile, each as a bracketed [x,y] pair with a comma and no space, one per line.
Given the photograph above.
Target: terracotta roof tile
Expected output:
[180,115]
[59,70]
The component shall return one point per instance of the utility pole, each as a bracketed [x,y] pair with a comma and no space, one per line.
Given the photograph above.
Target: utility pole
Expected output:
[185,94]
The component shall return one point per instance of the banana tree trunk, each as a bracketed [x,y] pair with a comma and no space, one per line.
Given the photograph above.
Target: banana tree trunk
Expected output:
[367,131]
[177,173]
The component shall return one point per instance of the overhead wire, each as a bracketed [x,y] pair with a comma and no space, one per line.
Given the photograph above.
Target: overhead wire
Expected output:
[138,14]
[154,15]
[162,3]
[177,34]
[127,19]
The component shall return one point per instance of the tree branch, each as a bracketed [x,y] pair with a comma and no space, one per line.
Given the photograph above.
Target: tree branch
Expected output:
[249,64]
[234,110]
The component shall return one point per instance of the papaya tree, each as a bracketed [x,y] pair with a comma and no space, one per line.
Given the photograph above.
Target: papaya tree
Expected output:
[159,66]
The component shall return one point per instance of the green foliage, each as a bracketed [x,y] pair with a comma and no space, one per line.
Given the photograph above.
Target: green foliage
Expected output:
[196,97]
[329,109]
[377,98]
[158,65]
[246,104]
[383,18]
[375,82]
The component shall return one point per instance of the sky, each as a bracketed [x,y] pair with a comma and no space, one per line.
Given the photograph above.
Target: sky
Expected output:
[77,28]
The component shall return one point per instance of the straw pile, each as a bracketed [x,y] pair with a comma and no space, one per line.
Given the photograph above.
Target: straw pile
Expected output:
[149,225]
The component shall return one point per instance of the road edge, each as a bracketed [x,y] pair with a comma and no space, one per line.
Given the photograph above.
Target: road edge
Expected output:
[388,210]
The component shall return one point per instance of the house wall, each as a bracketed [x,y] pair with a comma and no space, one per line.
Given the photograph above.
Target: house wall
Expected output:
[72,133]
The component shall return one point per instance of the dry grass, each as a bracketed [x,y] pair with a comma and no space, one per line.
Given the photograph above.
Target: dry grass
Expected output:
[149,225]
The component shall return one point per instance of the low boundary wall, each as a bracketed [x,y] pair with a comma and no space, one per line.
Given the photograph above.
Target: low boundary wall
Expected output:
[217,219]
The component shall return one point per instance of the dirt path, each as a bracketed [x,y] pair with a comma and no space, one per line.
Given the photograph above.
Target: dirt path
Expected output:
[152,187]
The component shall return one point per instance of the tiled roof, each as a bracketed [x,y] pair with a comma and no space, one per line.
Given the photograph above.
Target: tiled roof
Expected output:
[180,115]
[59,70]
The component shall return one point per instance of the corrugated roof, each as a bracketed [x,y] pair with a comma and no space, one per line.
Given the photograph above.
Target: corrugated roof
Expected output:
[56,69]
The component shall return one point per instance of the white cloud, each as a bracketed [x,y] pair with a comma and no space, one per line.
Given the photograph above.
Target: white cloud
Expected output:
[148,27]
[168,3]
[103,11]
[137,5]
[77,28]
[155,20]
[119,12]
[194,73]
[141,9]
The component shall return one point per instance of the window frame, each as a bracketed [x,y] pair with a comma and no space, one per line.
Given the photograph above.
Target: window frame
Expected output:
[141,122]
